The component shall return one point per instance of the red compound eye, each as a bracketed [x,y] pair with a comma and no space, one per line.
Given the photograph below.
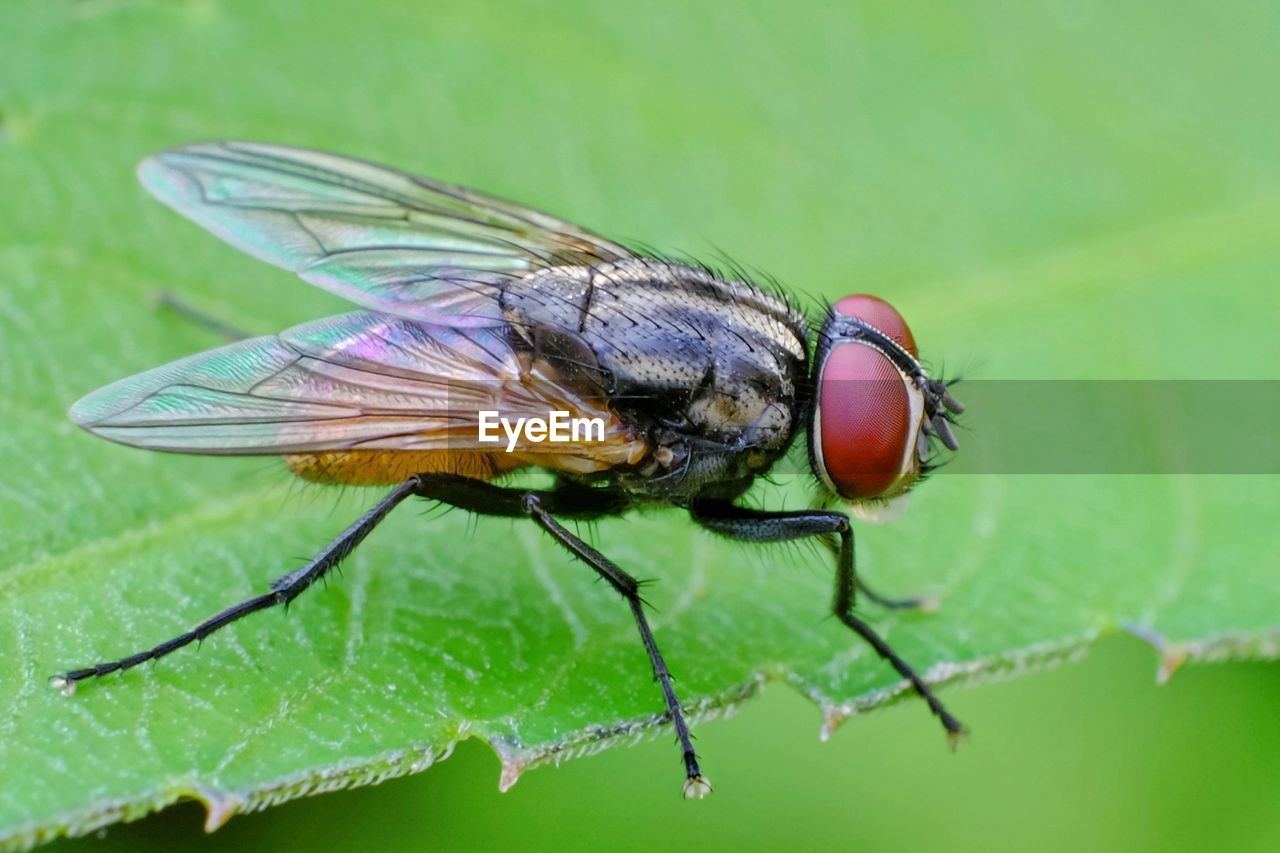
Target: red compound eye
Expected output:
[882,315]
[867,413]
[863,422]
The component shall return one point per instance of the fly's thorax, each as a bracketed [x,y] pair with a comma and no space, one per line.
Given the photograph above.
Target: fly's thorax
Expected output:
[675,346]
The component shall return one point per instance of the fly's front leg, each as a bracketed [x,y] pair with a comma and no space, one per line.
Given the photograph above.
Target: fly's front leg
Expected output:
[751,525]
[923,603]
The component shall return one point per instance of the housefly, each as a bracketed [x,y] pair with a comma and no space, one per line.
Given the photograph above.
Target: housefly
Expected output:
[472,307]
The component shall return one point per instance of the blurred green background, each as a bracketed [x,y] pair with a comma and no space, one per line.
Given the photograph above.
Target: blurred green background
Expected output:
[912,149]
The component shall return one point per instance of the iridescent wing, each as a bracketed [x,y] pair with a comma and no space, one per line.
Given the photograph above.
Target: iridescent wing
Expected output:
[355,382]
[383,239]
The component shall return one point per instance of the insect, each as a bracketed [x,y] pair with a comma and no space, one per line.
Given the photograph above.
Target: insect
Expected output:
[470,307]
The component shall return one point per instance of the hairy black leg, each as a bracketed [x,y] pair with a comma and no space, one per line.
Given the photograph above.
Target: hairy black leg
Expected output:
[923,603]
[566,500]
[574,502]
[696,785]
[752,525]
[570,500]
[187,311]
[283,590]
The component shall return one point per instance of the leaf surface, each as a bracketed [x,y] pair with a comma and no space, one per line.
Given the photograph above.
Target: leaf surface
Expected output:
[1138,242]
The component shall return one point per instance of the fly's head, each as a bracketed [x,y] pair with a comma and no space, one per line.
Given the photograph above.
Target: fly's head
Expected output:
[876,410]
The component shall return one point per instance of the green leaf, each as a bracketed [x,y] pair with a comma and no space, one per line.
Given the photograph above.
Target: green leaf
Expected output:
[1045,192]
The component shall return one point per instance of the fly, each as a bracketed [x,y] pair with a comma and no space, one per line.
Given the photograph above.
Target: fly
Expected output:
[477,309]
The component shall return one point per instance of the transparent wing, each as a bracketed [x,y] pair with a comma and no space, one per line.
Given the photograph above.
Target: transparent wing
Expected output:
[358,381]
[383,239]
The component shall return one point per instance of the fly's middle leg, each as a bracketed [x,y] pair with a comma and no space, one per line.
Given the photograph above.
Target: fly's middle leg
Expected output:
[578,502]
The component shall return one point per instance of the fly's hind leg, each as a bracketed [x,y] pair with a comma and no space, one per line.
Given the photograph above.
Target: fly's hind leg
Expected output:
[752,525]
[578,502]
[283,591]
[169,301]
[567,501]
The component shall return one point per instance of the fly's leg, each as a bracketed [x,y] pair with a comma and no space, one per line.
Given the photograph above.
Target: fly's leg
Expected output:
[184,309]
[469,494]
[923,603]
[283,591]
[569,501]
[751,525]
[695,785]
